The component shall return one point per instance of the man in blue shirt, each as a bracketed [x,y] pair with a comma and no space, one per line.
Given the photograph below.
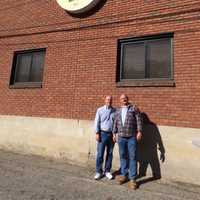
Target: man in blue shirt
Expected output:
[103,128]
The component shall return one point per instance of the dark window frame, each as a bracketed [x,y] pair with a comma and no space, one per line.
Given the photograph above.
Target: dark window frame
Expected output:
[13,83]
[147,81]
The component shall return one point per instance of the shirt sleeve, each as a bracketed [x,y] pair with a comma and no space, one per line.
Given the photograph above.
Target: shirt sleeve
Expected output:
[97,122]
[138,119]
[115,130]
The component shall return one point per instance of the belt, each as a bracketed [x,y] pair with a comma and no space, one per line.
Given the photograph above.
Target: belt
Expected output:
[108,132]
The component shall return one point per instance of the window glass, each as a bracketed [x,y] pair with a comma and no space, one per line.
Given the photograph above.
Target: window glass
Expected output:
[133,61]
[146,59]
[23,68]
[28,67]
[159,58]
[37,67]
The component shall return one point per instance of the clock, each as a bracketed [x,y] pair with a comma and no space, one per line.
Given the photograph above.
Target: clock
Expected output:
[78,6]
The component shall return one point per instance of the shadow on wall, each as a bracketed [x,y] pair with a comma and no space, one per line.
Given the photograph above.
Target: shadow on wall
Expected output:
[148,150]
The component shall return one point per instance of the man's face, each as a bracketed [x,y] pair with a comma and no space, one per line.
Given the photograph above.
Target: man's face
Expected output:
[108,101]
[124,100]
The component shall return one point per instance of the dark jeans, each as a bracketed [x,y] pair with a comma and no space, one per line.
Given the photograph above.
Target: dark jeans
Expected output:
[127,153]
[105,142]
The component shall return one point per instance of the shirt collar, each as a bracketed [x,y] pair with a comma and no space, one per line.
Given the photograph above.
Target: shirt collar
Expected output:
[126,107]
[107,107]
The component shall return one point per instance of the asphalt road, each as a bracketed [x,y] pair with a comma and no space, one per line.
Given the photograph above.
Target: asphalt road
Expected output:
[30,177]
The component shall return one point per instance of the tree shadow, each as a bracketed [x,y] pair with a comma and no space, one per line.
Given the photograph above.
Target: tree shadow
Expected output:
[147,153]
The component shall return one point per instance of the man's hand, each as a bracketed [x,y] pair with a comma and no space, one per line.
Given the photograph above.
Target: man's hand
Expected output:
[115,137]
[139,136]
[162,157]
[97,137]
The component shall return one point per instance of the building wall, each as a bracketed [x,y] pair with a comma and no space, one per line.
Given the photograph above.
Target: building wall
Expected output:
[80,63]
[80,69]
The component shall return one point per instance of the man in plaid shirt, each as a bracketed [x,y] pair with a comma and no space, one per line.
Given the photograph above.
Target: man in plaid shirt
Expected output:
[127,131]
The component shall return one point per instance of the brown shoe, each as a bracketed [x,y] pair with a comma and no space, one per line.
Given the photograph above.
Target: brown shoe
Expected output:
[121,179]
[132,185]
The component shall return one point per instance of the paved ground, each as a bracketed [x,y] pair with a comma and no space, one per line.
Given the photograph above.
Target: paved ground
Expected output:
[34,178]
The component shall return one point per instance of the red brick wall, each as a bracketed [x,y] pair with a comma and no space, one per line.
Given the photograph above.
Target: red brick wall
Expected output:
[80,62]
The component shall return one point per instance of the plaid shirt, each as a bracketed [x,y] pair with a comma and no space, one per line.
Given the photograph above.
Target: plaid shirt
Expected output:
[132,124]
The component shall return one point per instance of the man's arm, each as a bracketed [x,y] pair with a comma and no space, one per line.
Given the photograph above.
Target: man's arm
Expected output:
[115,130]
[97,122]
[139,123]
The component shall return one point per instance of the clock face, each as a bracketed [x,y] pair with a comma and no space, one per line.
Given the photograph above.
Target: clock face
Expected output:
[78,6]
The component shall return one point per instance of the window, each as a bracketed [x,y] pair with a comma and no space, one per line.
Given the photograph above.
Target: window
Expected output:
[27,70]
[145,60]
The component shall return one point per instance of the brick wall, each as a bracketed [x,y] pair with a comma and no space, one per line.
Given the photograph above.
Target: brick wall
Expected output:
[81,58]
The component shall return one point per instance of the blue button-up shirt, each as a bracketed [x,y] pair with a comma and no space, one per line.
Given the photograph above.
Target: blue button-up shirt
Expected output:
[104,119]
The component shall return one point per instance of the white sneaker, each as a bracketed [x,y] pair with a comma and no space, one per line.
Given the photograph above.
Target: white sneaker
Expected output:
[97,176]
[109,175]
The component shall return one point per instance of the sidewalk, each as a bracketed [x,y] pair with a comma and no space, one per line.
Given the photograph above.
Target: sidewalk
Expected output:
[30,177]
